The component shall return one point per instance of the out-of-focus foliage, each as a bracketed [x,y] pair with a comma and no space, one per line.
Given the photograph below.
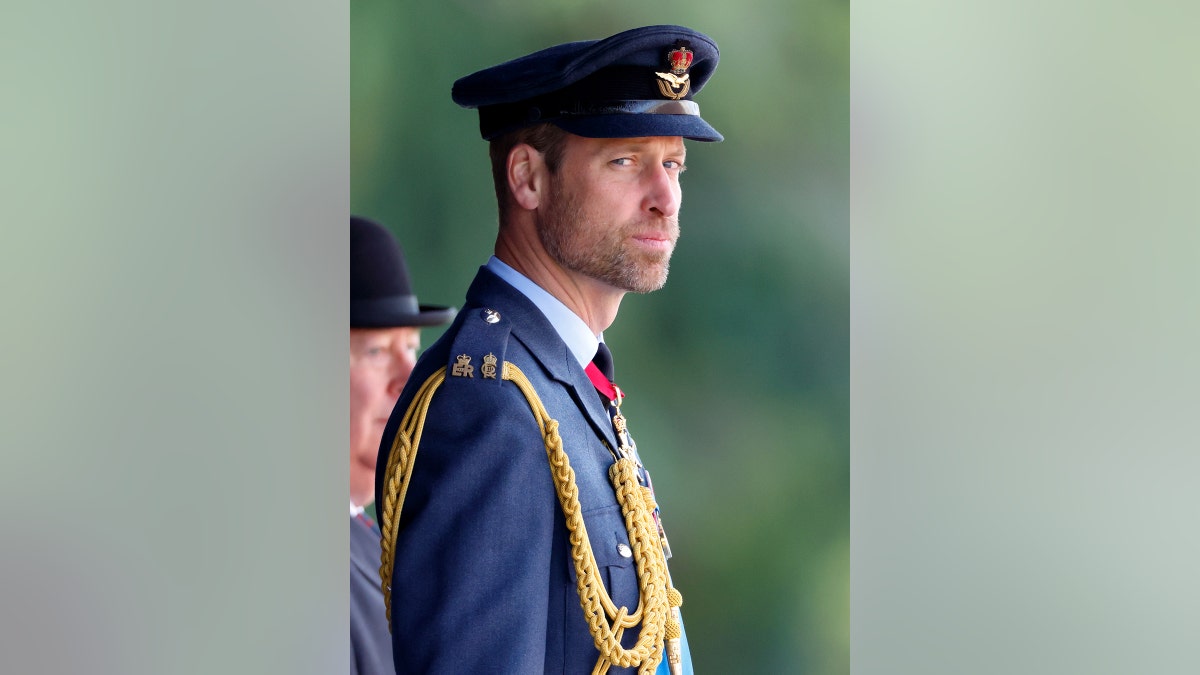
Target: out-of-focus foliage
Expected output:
[738,370]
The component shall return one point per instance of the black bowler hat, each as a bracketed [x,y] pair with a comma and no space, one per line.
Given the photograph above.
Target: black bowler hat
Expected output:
[380,293]
[633,84]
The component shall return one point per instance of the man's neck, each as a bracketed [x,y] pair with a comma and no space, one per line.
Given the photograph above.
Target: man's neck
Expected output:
[593,301]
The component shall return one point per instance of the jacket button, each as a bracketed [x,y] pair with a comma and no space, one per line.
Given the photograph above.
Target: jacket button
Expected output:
[624,550]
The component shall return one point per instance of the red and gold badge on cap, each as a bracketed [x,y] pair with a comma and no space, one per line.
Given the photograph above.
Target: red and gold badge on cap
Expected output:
[675,84]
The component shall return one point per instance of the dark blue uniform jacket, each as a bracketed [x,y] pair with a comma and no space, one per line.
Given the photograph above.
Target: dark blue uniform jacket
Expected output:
[483,580]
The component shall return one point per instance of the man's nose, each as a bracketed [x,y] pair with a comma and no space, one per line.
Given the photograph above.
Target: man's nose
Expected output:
[402,367]
[663,194]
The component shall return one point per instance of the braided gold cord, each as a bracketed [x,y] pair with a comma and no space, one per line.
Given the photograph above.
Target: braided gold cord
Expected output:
[396,477]
[606,622]
[643,538]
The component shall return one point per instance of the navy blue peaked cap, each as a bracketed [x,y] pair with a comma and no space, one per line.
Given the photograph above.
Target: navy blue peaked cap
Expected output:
[636,83]
[381,294]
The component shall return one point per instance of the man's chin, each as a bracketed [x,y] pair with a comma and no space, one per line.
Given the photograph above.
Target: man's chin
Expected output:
[649,281]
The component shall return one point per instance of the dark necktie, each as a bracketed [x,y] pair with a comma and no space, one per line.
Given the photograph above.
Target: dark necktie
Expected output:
[600,372]
[604,362]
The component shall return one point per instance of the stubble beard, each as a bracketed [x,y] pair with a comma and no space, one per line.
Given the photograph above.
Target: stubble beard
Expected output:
[587,243]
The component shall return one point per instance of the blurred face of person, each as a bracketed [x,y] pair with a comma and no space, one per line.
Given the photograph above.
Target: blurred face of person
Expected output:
[613,209]
[381,360]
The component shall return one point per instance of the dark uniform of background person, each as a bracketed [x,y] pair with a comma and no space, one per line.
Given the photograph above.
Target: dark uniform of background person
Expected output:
[385,321]
[483,566]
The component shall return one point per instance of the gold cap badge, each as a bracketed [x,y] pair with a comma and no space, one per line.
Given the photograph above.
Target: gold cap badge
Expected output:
[675,84]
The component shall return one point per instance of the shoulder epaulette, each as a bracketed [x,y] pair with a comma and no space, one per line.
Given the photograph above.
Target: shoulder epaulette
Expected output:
[478,349]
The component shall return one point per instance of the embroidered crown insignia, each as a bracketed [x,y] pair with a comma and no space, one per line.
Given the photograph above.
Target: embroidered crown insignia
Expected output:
[674,84]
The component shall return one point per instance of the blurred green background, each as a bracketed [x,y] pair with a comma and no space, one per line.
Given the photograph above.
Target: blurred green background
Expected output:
[739,368]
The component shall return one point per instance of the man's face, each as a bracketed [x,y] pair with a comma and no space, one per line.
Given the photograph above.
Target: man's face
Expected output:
[613,209]
[381,360]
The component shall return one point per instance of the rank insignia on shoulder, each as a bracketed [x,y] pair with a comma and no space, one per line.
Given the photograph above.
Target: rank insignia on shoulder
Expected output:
[489,367]
[463,368]
[491,316]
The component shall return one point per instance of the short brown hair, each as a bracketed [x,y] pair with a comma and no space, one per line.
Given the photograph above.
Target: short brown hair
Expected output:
[545,138]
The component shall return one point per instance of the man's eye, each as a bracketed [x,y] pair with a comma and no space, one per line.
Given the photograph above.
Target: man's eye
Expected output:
[623,161]
[675,166]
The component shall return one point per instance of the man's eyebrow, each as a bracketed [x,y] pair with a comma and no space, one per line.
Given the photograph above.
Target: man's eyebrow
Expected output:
[640,145]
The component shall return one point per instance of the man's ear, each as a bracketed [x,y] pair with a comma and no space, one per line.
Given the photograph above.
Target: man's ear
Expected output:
[527,172]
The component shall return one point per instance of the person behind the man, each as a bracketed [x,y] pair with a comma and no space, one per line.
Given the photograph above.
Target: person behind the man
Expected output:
[506,547]
[385,325]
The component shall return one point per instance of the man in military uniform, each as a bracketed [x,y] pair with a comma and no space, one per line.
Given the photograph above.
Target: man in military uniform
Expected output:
[385,325]
[507,545]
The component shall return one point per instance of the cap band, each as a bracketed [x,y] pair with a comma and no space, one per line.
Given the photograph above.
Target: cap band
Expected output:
[395,304]
[632,108]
